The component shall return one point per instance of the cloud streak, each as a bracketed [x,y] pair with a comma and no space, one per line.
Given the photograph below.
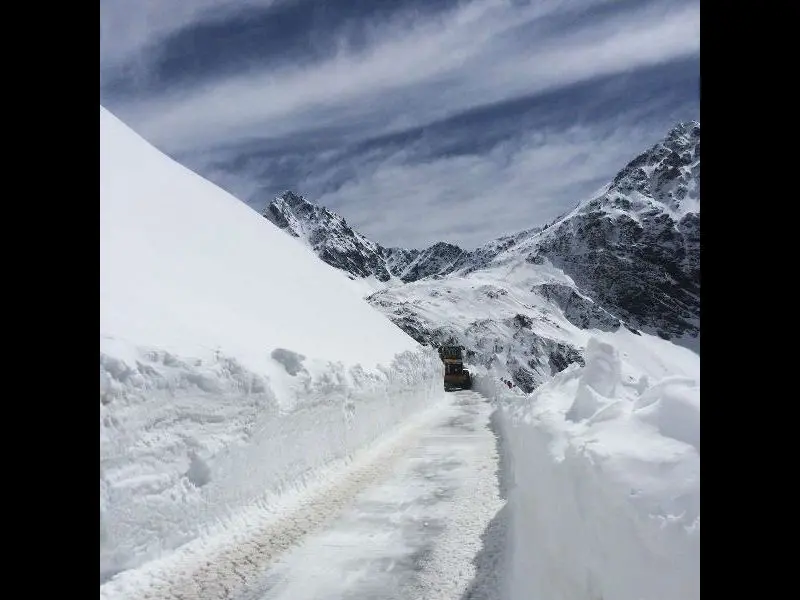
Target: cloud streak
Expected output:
[471,198]
[129,29]
[408,77]
[416,120]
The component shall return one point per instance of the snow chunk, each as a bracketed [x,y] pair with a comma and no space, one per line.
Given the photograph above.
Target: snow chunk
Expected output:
[603,368]
[199,472]
[598,381]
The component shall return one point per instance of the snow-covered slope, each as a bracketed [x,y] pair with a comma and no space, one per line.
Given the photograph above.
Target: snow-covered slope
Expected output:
[525,332]
[605,461]
[232,361]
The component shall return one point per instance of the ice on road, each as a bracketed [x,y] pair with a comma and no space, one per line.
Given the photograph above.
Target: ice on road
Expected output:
[416,533]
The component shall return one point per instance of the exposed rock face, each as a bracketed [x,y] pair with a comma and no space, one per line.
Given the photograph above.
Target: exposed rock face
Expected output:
[635,250]
[335,242]
[329,235]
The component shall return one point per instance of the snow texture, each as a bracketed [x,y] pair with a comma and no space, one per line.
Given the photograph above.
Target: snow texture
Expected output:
[604,465]
[234,365]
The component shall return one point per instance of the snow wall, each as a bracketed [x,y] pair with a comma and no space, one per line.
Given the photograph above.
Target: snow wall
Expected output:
[603,483]
[185,445]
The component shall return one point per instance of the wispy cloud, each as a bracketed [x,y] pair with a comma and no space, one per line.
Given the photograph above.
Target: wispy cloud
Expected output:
[416,126]
[130,29]
[470,199]
[417,72]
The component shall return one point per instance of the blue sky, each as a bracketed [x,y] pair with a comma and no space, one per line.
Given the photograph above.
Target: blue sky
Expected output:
[417,120]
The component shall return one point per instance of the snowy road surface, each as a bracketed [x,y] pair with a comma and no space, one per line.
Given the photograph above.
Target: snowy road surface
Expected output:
[412,535]
[406,522]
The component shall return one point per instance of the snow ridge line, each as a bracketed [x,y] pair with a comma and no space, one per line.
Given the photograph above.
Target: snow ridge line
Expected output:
[220,566]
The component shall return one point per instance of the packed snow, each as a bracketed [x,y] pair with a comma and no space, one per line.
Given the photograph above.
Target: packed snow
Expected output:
[234,364]
[604,462]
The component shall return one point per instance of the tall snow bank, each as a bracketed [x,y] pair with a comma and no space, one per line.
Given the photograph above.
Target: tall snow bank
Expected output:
[233,362]
[605,471]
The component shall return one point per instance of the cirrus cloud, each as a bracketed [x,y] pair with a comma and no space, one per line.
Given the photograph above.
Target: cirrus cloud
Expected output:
[352,126]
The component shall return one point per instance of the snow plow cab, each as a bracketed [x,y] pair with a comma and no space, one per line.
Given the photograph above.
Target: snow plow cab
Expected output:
[455,375]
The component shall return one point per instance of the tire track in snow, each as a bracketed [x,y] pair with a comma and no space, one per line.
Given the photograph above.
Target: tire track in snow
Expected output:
[241,564]
[414,536]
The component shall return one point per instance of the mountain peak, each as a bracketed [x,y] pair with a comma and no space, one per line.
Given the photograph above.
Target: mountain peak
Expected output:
[685,131]
[291,199]
[667,173]
[335,242]
[328,235]
[643,234]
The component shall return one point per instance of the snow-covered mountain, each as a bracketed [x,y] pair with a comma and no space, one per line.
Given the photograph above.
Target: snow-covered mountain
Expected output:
[329,235]
[233,363]
[629,256]
[635,248]
[335,242]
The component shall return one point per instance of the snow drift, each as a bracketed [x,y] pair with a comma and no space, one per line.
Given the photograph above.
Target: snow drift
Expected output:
[604,465]
[233,362]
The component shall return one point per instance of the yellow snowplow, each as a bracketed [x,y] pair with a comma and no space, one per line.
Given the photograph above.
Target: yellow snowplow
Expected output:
[455,375]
